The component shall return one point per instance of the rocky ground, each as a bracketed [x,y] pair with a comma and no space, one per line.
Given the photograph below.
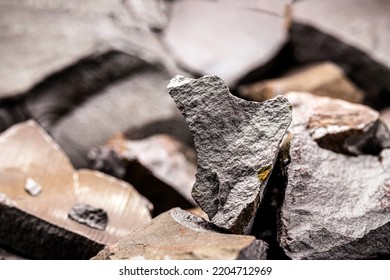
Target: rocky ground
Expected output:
[195,129]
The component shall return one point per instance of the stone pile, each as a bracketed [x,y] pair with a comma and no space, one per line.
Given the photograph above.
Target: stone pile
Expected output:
[222,129]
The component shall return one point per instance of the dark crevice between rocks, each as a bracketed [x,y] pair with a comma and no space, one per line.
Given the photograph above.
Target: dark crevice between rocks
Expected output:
[62,92]
[312,45]
[12,111]
[280,64]
[265,226]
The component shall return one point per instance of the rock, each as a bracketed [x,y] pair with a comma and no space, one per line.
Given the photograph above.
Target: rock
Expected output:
[237,142]
[352,37]
[207,44]
[344,127]
[32,187]
[39,38]
[159,167]
[38,226]
[135,102]
[325,79]
[385,117]
[178,234]
[89,215]
[336,206]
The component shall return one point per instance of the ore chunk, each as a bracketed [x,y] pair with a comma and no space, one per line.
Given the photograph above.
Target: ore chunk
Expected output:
[24,217]
[336,206]
[325,79]
[32,187]
[178,234]
[159,167]
[355,36]
[89,215]
[205,44]
[237,143]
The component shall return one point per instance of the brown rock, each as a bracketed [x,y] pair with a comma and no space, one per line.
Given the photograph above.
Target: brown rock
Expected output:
[39,226]
[213,43]
[177,234]
[352,33]
[325,79]
[160,167]
[344,127]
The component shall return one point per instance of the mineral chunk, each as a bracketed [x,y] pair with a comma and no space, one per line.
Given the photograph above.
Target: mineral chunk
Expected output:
[355,36]
[178,234]
[89,215]
[159,167]
[23,217]
[206,44]
[325,79]
[237,143]
[336,206]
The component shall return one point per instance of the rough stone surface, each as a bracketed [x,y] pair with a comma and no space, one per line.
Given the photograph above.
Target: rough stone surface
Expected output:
[89,215]
[335,206]
[159,167]
[237,142]
[178,234]
[352,33]
[344,127]
[325,79]
[207,44]
[38,226]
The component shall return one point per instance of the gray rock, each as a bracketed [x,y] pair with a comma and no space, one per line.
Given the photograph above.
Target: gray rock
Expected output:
[89,215]
[336,206]
[237,142]
[159,167]
[352,33]
[178,234]
[213,43]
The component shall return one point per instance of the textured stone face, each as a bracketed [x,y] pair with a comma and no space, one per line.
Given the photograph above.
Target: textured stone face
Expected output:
[159,167]
[336,206]
[178,234]
[31,162]
[237,142]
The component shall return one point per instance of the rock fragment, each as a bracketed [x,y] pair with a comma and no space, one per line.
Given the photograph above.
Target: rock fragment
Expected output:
[335,206]
[178,234]
[352,37]
[39,226]
[207,44]
[159,167]
[89,215]
[32,187]
[237,142]
[324,79]
[344,127]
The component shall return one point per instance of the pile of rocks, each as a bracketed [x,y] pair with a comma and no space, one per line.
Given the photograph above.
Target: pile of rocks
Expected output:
[277,146]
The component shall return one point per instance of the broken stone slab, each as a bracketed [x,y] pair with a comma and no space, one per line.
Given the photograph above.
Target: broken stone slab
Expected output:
[39,38]
[39,226]
[324,79]
[237,142]
[208,44]
[335,206]
[345,127]
[352,37]
[129,104]
[159,167]
[178,234]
